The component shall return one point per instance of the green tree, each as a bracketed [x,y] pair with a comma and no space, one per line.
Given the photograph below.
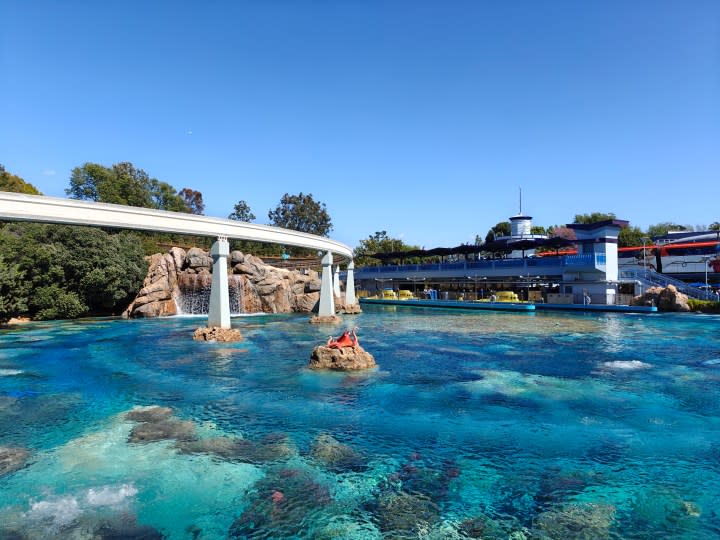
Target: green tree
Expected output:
[538,229]
[630,236]
[13,294]
[96,272]
[715,226]
[10,182]
[301,213]
[123,183]
[241,212]
[379,242]
[500,229]
[594,217]
[661,229]
[193,200]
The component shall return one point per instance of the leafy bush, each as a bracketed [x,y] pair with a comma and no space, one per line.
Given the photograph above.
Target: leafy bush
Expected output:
[71,271]
[54,303]
[704,306]
[12,291]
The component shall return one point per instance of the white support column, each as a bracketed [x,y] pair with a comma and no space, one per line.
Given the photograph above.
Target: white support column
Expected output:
[336,281]
[327,300]
[350,284]
[219,312]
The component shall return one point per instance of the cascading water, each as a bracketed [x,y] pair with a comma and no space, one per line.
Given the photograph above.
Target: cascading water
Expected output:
[194,297]
[236,295]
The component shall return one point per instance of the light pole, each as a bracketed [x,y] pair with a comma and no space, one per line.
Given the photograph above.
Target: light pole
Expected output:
[644,239]
[706,258]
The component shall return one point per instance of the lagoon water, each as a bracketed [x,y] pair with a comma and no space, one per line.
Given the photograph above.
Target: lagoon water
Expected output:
[475,425]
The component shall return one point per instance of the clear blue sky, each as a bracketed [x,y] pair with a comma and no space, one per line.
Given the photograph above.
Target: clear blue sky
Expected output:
[419,118]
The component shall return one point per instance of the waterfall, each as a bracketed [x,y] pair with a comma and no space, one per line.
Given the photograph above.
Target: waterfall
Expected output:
[194,294]
[235,289]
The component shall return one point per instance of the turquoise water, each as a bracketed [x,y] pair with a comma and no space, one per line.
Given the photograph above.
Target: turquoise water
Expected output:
[475,425]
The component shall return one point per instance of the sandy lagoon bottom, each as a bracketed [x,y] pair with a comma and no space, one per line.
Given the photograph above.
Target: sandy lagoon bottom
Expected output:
[475,425]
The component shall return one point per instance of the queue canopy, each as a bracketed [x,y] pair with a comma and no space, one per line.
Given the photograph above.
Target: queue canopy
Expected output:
[496,246]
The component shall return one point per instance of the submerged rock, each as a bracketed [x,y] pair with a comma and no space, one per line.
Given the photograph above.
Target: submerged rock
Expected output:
[281,506]
[582,521]
[336,456]
[126,531]
[663,511]
[149,414]
[157,424]
[180,430]
[403,515]
[344,359]
[12,459]
[270,448]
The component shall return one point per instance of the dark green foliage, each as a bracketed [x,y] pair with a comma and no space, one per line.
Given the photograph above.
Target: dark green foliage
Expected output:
[72,271]
[500,229]
[704,306]
[301,213]
[13,293]
[379,242]
[715,226]
[55,303]
[630,236]
[10,182]
[593,217]
[242,212]
[123,183]
[661,229]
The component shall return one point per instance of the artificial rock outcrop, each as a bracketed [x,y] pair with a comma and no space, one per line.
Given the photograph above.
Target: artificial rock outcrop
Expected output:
[665,298]
[261,288]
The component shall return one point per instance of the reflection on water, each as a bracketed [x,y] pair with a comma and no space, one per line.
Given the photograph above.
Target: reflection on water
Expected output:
[491,425]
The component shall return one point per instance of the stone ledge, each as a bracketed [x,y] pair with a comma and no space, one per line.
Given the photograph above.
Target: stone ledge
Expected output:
[217,334]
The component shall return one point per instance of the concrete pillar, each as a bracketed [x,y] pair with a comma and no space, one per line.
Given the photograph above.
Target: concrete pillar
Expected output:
[327,300]
[219,312]
[350,284]
[336,281]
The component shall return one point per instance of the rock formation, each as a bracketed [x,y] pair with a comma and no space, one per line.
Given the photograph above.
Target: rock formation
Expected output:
[12,459]
[258,286]
[344,359]
[665,298]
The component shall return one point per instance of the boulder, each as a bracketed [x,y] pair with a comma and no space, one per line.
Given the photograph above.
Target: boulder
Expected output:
[665,298]
[216,333]
[198,258]
[344,359]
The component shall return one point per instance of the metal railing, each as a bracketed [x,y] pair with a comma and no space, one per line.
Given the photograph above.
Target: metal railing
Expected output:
[651,278]
[588,260]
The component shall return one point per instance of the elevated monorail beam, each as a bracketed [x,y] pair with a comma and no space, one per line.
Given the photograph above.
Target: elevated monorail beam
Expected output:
[38,208]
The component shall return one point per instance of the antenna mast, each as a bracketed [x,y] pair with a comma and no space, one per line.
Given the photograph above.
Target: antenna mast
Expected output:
[520,188]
